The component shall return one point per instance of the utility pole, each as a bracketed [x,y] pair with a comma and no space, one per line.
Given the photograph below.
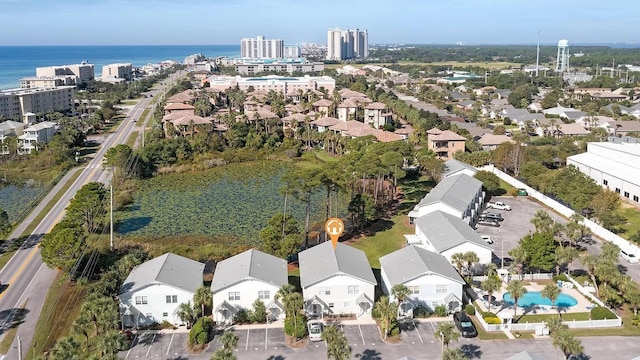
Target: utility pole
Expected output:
[19,348]
[111,216]
[538,55]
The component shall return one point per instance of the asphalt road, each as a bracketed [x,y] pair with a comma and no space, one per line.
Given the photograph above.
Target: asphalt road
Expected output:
[25,278]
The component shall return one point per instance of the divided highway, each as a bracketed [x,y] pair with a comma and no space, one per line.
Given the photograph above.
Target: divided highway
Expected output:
[25,278]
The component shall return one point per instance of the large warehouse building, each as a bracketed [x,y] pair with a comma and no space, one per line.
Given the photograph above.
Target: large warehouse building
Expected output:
[615,166]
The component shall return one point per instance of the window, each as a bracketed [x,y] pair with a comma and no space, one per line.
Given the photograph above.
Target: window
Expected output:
[234,295]
[263,295]
[172,299]
[414,289]
[606,182]
[149,315]
[441,289]
[626,194]
[325,291]
[141,300]
[635,198]
[617,191]
[352,289]
[331,305]
[165,314]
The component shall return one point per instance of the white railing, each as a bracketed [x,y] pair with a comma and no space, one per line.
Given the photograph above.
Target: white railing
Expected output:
[572,324]
[487,327]
[525,276]
[586,293]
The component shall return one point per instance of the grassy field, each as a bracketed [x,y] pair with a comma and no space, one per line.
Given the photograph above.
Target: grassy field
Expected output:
[61,306]
[142,117]
[131,140]
[632,224]
[384,237]
[457,64]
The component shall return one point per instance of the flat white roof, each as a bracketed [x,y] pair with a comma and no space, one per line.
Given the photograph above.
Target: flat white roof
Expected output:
[631,149]
[622,171]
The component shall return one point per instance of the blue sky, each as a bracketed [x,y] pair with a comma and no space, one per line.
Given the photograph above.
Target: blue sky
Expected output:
[218,22]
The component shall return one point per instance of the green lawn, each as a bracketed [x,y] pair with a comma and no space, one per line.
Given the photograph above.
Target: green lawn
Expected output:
[142,117]
[131,140]
[544,317]
[484,335]
[632,224]
[386,236]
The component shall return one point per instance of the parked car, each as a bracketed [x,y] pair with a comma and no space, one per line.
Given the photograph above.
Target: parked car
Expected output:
[498,205]
[315,330]
[523,192]
[629,256]
[487,239]
[488,222]
[464,325]
[492,216]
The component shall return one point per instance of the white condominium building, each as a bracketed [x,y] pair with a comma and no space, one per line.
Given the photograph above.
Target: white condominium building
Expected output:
[46,81]
[261,48]
[276,83]
[120,71]
[15,103]
[347,44]
[291,51]
[83,72]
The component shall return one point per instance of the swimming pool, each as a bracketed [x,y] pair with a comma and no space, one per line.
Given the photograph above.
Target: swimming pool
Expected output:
[532,298]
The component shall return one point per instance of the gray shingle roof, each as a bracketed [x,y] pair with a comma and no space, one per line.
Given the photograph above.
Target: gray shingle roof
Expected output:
[321,262]
[169,269]
[446,231]
[453,166]
[251,264]
[455,191]
[412,262]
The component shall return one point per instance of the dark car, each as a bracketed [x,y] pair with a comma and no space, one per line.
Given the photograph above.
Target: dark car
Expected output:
[488,222]
[464,325]
[492,216]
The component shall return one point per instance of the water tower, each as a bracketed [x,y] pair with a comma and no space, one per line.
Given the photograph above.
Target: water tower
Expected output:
[562,61]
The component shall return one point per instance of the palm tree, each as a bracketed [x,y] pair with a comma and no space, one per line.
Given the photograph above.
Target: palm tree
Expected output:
[453,354]
[590,261]
[565,255]
[337,345]
[458,261]
[66,349]
[400,292]
[551,292]
[516,289]
[542,221]
[520,257]
[201,298]
[564,340]
[228,340]
[446,333]
[630,293]
[223,354]
[110,342]
[387,311]
[491,285]
[83,326]
[471,258]
[186,313]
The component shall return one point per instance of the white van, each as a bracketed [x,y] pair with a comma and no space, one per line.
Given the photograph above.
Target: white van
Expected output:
[629,256]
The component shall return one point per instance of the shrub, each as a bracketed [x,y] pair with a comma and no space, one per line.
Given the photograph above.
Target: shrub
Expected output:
[440,310]
[259,312]
[506,121]
[421,312]
[201,332]
[513,192]
[395,329]
[636,320]
[242,317]
[469,309]
[290,328]
[488,314]
[601,313]
[561,277]
[492,321]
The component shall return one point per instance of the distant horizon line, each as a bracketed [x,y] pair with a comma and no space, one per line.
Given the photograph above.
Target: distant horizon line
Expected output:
[462,44]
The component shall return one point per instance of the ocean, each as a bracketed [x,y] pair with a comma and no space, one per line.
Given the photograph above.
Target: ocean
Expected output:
[17,62]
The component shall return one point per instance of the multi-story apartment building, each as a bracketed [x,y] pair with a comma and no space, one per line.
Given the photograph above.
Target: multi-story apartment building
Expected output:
[347,44]
[32,82]
[273,82]
[119,71]
[253,67]
[83,72]
[291,51]
[261,48]
[15,103]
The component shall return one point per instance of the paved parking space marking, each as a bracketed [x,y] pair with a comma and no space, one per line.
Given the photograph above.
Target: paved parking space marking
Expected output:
[170,342]
[361,336]
[151,345]
[266,338]
[351,333]
[133,343]
[257,339]
[246,347]
[415,327]
[276,338]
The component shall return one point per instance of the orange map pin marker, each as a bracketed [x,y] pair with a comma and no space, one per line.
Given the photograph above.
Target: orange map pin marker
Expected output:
[334,227]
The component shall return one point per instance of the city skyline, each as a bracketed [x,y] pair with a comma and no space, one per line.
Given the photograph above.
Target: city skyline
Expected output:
[143,22]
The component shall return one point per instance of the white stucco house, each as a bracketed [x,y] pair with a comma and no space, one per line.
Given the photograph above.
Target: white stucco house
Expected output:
[459,195]
[153,290]
[35,134]
[430,278]
[447,234]
[336,281]
[242,279]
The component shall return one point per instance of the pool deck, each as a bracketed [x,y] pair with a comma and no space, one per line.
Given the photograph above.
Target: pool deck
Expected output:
[499,305]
